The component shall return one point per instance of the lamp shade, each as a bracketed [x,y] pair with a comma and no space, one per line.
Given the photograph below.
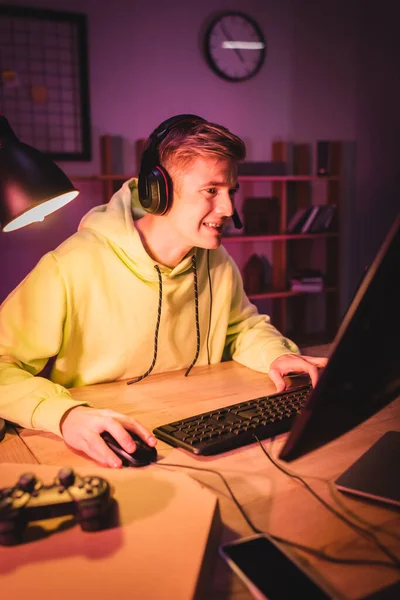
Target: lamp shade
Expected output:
[31,185]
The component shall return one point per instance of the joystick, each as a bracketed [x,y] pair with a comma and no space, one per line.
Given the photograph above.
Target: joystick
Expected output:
[87,498]
[27,482]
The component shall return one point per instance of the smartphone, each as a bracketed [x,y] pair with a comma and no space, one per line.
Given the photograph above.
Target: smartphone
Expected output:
[269,572]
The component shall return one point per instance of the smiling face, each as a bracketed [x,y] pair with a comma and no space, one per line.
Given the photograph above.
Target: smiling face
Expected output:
[202,202]
[201,159]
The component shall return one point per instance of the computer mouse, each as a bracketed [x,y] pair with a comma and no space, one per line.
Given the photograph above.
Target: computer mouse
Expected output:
[142,456]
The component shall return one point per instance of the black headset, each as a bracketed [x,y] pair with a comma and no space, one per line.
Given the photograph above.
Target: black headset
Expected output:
[155,184]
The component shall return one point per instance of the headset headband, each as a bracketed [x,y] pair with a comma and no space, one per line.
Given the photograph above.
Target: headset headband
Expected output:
[165,127]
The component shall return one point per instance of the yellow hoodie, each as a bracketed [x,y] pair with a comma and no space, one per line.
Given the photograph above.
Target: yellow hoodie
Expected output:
[93,302]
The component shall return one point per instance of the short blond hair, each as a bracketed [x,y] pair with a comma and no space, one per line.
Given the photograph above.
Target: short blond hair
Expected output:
[191,139]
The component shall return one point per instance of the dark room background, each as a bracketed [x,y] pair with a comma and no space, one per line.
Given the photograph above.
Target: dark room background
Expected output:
[331,73]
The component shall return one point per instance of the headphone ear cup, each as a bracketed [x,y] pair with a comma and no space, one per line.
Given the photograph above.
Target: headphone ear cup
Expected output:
[155,185]
[155,191]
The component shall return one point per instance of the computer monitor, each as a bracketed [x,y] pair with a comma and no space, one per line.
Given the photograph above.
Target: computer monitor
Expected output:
[363,371]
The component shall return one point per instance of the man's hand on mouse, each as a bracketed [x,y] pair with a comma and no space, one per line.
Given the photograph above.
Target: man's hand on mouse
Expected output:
[81,428]
[293,363]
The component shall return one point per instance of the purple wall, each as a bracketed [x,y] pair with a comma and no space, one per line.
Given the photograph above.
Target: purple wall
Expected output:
[330,74]
[347,86]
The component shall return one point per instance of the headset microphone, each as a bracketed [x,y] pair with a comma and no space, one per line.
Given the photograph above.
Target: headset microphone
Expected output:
[236,220]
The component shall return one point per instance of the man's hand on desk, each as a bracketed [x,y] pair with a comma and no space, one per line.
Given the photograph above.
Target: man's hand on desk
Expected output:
[81,428]
[292,363]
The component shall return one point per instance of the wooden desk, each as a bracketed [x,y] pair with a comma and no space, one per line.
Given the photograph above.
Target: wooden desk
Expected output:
[274,502]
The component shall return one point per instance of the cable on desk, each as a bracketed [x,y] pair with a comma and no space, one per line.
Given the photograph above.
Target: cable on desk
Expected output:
[318,553]
[244,515]
[357,528]
[340,500]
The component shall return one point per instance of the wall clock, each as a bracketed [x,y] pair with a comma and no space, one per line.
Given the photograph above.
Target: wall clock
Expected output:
[234,46]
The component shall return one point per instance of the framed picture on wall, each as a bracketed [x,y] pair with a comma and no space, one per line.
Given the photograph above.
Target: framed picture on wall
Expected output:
[44,83]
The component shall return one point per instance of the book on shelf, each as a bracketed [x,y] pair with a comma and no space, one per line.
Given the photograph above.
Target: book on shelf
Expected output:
[302,220]
[312,214]
[307,280]
[304,286]
[296,222]
[324,218]
[315,219]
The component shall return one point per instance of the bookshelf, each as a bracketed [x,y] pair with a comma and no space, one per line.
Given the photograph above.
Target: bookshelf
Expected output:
[284,252]
[306,317]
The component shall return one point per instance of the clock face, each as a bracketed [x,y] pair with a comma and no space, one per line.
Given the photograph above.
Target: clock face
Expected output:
[235,46]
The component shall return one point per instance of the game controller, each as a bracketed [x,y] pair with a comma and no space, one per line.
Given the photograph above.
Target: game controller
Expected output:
[86,498]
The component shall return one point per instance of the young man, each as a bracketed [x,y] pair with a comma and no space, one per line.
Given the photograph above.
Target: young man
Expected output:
[144,285]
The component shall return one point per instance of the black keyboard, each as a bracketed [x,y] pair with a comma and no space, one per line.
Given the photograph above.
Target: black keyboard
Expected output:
[236,425]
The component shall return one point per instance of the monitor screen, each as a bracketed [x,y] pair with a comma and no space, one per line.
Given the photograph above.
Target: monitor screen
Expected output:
[363,371]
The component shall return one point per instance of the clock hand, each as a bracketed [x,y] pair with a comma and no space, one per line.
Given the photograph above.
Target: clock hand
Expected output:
[229,38]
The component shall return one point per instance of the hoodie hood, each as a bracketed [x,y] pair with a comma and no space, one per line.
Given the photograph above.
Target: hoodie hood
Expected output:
[115,221]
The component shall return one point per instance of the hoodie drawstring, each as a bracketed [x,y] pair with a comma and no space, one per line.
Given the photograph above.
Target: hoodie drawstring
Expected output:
[149,370]
[196,307]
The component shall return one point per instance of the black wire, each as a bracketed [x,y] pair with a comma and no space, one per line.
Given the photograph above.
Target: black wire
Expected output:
[319,553]
[196,308]
[361,530]
[244,515]
[149,370]
[335,559]
[211,299]
[338,498]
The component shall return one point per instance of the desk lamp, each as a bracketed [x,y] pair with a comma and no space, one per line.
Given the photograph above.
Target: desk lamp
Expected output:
[31,185]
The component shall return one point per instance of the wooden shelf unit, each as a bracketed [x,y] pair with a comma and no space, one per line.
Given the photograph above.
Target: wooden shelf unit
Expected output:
[286,293]
[291,252]
[279,237]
